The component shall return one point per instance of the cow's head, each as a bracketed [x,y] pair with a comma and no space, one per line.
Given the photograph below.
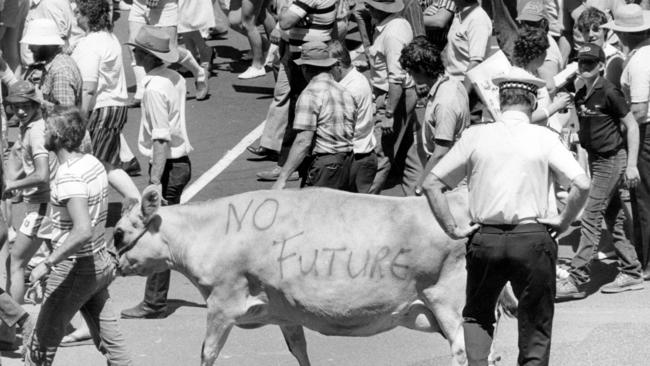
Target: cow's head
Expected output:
[137,236]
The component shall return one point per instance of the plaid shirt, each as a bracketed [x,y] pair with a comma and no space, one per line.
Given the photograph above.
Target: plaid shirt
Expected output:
[328,109]
[62,83]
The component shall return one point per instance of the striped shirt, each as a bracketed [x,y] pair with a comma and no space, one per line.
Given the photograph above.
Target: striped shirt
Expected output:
[328,109]
[438,36]
[318,19]
[82,177]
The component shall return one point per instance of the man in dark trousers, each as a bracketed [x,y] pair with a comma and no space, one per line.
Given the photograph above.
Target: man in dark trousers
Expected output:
[508,164]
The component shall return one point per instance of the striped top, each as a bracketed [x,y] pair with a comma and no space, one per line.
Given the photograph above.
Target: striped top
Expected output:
[82,177]
[318,19]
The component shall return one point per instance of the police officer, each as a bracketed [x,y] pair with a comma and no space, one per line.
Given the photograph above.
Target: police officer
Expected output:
[508,165]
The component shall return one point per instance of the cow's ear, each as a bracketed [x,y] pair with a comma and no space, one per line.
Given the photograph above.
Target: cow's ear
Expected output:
[151,197]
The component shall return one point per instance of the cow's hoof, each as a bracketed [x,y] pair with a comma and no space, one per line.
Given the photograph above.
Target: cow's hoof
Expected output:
[140,312]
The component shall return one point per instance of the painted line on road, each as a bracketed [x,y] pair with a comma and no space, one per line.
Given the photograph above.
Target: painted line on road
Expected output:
[222,164]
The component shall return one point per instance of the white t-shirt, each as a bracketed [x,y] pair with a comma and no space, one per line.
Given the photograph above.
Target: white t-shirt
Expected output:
[99,57]
[358,85]
[635,80]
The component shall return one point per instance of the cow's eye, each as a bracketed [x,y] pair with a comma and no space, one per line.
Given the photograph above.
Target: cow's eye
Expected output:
[118,238]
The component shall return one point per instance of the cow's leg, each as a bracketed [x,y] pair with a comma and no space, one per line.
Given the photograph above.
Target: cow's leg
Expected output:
[217,331]
[295,338]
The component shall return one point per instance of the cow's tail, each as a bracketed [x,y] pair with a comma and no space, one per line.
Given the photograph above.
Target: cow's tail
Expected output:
[507,303]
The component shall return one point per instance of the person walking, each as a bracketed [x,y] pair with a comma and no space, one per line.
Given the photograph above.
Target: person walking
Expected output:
[324,124]
[79,269]
[163,139]
[508,165]
[603,115]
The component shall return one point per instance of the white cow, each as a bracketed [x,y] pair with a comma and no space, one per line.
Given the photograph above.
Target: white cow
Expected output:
[337,263]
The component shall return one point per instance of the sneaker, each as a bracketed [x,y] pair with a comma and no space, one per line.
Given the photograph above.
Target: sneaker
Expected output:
[252,73]
[124,6]
[202,86]
[273,174]
[131,167]
[623,282]
[567,290]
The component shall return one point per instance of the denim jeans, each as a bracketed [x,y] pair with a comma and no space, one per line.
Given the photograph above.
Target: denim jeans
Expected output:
[641,198]
[326,170]
[608,200]
[79,285]
[278,114]
[362,172]
[175,177]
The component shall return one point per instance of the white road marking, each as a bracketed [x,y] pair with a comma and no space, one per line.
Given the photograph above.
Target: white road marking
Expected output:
[222,164]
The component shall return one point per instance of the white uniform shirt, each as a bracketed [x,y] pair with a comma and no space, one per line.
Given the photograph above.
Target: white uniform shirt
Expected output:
[163,113]
[635,80]
[358,85]
[391,36]
[508,164]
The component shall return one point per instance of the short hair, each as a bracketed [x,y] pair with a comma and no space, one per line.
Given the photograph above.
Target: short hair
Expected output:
[591,18]
[311,69]
[69,126]
[529,45]
[423,57]
[98,13]
[540,24]
[512,96]
[339,52]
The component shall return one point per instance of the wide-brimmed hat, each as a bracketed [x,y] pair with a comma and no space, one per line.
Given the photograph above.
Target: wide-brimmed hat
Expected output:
[629,18]
[22,91]
[387,6]
[518,78]
[316,54]
[156,41]
[532,11]
[42,32]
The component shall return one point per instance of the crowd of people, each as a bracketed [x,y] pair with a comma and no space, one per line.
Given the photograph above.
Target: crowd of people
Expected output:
[568,138]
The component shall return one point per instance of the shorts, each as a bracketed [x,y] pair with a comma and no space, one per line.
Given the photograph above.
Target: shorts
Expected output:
[36,222]
[104,127]
[164,15]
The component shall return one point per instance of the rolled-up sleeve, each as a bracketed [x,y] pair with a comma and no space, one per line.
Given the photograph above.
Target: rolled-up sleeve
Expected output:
[393,45]
[155,109]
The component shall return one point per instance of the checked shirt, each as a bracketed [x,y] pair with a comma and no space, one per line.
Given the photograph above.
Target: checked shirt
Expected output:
[328,109]
[62,83]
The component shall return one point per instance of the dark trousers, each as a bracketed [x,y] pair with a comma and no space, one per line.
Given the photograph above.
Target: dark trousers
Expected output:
[175,177]
[608,200]
[641,199]
[327,170]
[525,255]
[363,168]
[297,83]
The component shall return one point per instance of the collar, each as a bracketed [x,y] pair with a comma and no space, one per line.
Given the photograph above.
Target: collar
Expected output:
[638,47]
[156,71]
[322,76]
[464,12]
[48,65]
[436,85]
[600,82]
[514,117]
[380,27]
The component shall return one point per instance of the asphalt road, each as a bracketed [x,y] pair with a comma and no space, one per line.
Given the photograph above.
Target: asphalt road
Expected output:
[607,330]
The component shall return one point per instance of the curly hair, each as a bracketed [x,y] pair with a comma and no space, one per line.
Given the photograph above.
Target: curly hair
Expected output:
[511,97]
[591,18]
[529,45]
[98,13]
[69,125]
[422,56]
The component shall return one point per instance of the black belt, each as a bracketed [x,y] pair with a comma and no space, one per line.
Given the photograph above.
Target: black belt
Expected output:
[182,159]
[363,155]
[516,228]
[318,155]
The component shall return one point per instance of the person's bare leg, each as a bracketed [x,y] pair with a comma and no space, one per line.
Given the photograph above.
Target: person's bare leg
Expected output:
[20,253]
[126,154]
[122,183]
[188,61]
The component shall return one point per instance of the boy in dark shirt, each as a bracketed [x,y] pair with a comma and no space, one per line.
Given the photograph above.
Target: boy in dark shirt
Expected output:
[602,110]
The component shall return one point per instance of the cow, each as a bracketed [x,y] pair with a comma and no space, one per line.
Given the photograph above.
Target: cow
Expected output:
[335,262]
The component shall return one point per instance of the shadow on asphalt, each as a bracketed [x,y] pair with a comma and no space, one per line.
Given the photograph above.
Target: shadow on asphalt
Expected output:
[174,304]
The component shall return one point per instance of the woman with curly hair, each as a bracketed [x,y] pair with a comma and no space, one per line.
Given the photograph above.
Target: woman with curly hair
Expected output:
[104,96]
[529,54]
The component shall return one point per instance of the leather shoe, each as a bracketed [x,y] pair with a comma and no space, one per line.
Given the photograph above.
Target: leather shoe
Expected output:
[141,312]
[262,151]
[646,274]
[133,103]
[272,175]
[131,167]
